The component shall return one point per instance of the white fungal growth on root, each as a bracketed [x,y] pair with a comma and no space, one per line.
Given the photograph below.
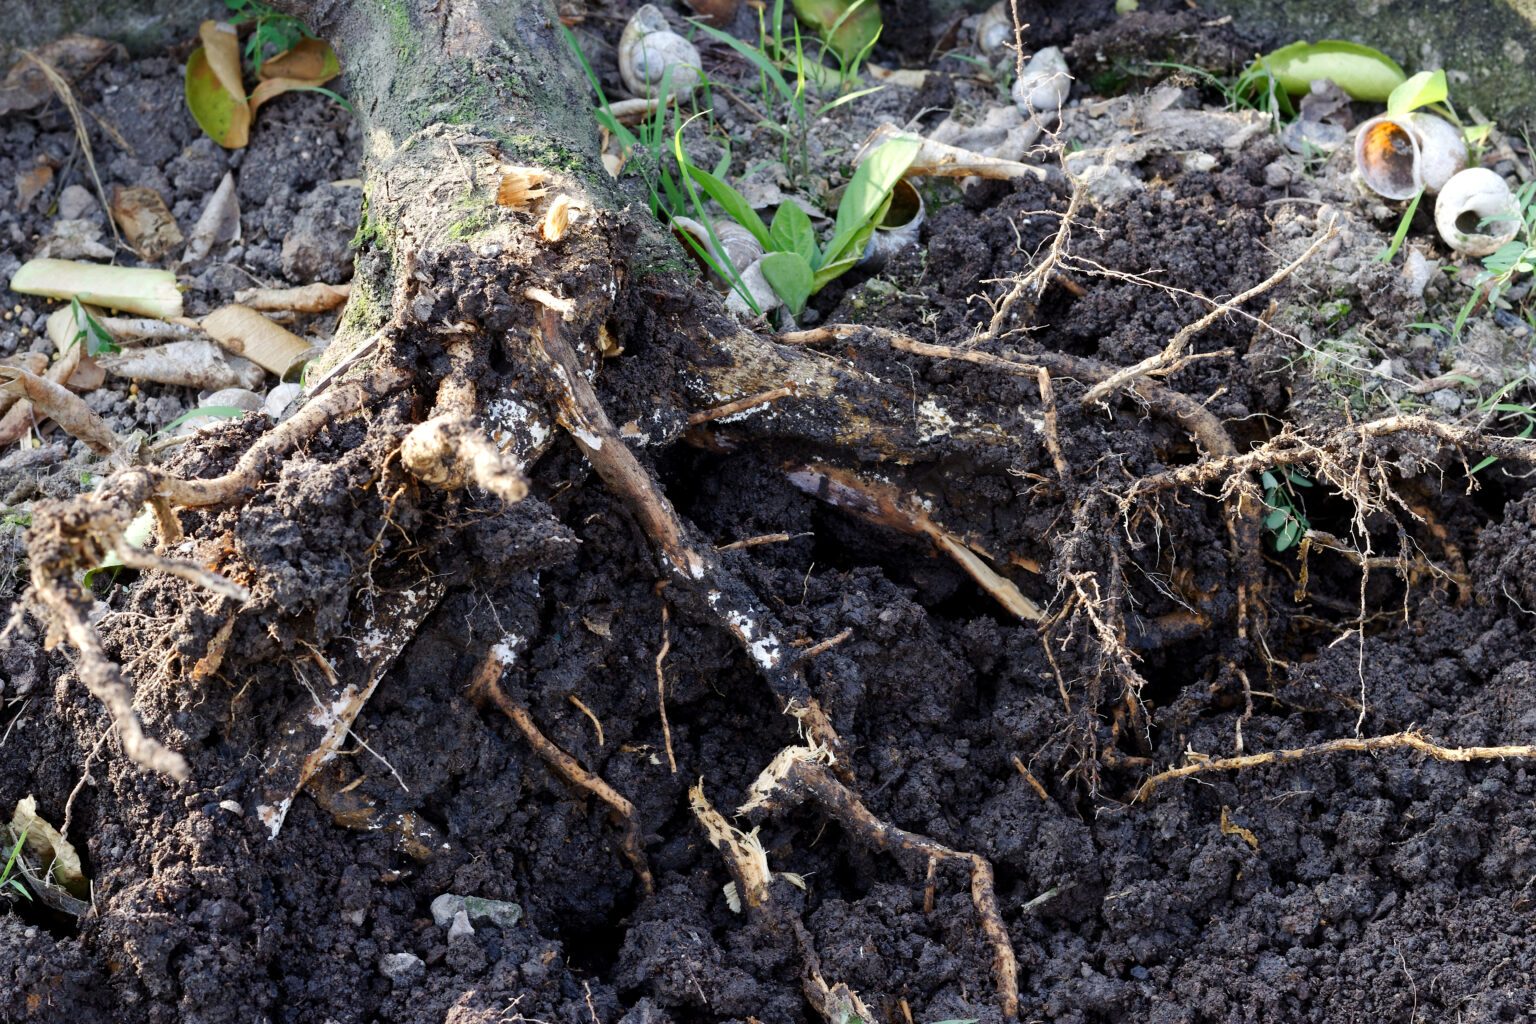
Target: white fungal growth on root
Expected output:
[508,416]
[933,421]
[505,649]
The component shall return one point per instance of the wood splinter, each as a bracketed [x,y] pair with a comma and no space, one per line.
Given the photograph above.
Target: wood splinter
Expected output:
[485,689]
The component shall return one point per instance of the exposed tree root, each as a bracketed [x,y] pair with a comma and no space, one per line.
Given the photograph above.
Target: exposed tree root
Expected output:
[801,773]
[692,564]
[485,688]
[1395,741]
[885,505]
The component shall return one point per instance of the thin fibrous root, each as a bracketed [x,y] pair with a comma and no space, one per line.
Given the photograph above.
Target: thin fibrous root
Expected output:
[1394,741]
[1174,351]
[70,537]
[801,773]
[485,688]
[691,563]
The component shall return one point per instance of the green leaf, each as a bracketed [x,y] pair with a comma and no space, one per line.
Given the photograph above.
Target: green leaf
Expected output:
[1421,90]
[1288,535]
[89,330]
[869,193]
[757,58]
[1268,480]
[1385,256]
[792,232]
[732,202]
[846,27]
[1275,518]
[227,412]
[791,277]
[1361,71]
[225,118]
[1298,479]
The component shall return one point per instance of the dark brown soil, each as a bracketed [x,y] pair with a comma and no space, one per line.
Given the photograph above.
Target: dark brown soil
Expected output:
[1365,888]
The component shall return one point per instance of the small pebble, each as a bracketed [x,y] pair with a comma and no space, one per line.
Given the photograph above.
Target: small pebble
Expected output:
[402,968]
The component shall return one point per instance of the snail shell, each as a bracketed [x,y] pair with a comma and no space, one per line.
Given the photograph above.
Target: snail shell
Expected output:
[994,30]
[899,230]
[1398,156]
[648,48]
[1468,200]
[1044,85]
[739,244]
[762,292]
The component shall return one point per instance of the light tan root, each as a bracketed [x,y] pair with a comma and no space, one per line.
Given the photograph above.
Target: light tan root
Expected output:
[1395,741]
[485,689]
[885,505]
[1164,361]
[804,773]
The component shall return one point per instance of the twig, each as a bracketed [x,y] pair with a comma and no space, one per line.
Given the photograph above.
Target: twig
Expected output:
[486,687]
[1394,741]
[1175,348]
[825,645]
[752,542]
[61,86]
[741,405]
[1041,273]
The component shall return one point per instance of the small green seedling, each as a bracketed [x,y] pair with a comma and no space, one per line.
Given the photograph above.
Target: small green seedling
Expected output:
[9,884]
[89,331]
[271,32]
[794,264]
[1286,520]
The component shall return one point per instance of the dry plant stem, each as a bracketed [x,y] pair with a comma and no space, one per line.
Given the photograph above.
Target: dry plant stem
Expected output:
[1395,741]
[693,565]
[486,686]
[52,399]
[798,773]
[1174,351]
[745,858]
[67,96]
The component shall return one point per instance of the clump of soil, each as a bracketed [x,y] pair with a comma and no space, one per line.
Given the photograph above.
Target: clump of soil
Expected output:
[1352,886]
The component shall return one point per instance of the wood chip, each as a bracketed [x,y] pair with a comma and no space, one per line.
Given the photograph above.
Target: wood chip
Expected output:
[145,221]
[247,333]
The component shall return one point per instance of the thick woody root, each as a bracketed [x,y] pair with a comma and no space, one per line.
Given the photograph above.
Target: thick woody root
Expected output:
[798,774]
[485,689]
[691,563]
[1411,741]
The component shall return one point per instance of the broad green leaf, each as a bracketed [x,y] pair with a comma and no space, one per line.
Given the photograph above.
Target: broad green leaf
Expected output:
[1275,518]
[1361,71]
[869,193]
[732,202]
[1288,535]
[1297,479]
[852,252]
[846,26]
[1421,90]
[1268,480]
[792,232]
[790,276]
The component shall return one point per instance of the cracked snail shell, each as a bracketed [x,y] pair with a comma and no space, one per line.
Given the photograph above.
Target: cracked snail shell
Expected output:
[1399,155]
[1476,212]
[649,48]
